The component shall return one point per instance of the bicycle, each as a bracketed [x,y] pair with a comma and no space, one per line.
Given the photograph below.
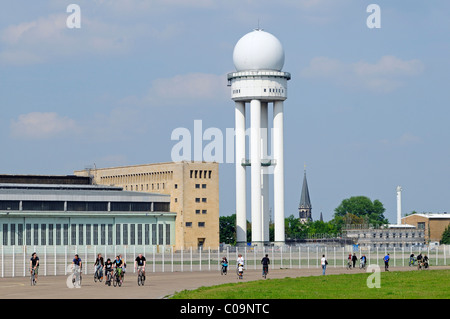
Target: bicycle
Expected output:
[33,277]
[362,265]
[223,270]
[412,262]
[141,277]
[108,278]
[98,275]
[116,279]
[76,276]
[349,264]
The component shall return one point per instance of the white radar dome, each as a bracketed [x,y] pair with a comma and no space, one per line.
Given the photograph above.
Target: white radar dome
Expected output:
[258,50]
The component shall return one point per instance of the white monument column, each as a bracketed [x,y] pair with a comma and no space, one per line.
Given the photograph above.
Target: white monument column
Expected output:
[259,80]
[265,173]
[255,161]
[278,174]
[399,205]
[241,201]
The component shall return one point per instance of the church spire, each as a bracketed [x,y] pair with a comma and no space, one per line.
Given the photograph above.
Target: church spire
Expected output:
[305,207]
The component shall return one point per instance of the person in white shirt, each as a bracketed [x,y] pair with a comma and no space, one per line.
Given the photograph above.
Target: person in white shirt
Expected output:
[324,263]
[240,260]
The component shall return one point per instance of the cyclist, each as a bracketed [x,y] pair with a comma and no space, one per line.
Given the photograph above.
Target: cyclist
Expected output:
[139,263]
[363,260]
[108,268]
[240,271]
[34,264]
[265,262]
[411,260]
[99,264]
[77,266]
[124,267]
[224,264]
[118,264]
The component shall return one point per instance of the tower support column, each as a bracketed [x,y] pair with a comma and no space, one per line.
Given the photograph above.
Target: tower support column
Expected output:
[278,176]
[241,201]
[255,158]
[265,174]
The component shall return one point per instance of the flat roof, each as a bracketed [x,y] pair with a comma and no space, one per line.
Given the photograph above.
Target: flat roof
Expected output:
[66,192]
[431,215]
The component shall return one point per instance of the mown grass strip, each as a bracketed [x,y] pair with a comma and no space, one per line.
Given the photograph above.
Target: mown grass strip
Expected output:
[430,284]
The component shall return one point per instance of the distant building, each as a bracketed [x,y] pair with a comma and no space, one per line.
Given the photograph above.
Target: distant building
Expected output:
[194,195]
[433,225]
[304,208]
[397,237]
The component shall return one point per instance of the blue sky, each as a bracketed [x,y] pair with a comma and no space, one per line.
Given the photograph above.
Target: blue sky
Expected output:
[367,109]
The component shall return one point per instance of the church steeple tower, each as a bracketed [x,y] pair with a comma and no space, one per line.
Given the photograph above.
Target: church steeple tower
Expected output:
[304,209]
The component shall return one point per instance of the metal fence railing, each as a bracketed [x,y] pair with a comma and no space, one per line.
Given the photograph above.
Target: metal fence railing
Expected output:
[57,260]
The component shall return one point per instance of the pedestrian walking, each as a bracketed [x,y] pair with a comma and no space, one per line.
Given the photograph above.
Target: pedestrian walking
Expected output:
[386,262]
[324,264]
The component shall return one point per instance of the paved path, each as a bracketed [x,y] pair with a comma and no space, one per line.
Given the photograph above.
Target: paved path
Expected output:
[158,285]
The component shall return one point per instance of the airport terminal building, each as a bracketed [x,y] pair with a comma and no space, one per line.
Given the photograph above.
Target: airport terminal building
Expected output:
[79,214]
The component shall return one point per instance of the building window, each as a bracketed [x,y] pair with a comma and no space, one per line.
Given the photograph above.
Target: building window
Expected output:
[20,234]
[132,234]
[153,234]
[103,234]
[80,234]
[110,234]
[95,241]
[43,234]
[197,211]
[176,186]
[147,234]
[66,234]
[167,234]
[139,234]
[197,185]
[203,186]
[421,225]
[188,224]
[125,234]
[36,234]
[210,172]
[117,234]
[197,200]
[201,224]
[5,234]
[204,211]
[203,200]
[161,234]
[88,234]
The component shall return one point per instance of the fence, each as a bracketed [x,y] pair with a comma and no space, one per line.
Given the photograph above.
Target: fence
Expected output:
[56,260]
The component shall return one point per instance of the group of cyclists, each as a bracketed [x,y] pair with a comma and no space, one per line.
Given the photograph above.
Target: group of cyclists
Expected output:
[422,261]
[118,266]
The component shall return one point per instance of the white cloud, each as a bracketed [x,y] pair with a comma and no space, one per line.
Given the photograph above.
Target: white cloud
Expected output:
[188,87]
[386,75]
[38,125]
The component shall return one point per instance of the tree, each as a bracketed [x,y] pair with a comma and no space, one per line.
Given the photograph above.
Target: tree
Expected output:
[446,236]
[227,229]
[362,207]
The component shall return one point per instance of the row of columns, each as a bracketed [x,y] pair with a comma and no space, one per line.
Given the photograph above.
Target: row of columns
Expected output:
[260,213]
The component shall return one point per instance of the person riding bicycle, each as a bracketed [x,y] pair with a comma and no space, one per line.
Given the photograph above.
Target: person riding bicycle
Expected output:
[425,261]
[77,267]
[265,262]
[240,271]
[411,259]
[139,263]
[99,264]
[118,265]
[363,261]
[34,264]
[224,264]
[108,268]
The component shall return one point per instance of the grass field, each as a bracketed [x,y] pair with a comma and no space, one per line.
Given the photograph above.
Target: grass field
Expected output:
[430,284]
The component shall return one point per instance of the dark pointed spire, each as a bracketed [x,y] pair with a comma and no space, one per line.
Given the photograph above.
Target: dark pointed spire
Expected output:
[304,208]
